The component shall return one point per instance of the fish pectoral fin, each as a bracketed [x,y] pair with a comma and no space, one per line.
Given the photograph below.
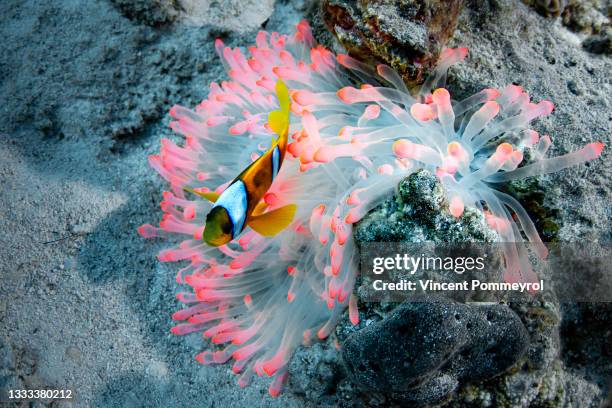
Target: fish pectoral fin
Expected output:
[260,208]
[210,196]
[273,222]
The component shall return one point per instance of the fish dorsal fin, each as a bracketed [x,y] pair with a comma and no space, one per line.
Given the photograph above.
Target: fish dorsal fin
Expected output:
[273,222]
[283,95]
[210,196]
[278,122]
[279,119]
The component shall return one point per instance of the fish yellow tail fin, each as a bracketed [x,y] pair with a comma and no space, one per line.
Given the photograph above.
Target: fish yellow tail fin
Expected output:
[279,119]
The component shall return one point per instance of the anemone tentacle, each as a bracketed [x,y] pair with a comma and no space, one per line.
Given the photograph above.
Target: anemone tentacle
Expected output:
[355,133]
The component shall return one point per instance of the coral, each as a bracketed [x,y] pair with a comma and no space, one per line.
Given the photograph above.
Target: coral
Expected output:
[408,35]
[587,16]
[419,213]
[530,193]
[262,297]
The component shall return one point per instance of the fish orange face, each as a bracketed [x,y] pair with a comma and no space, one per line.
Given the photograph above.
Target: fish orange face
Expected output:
[219,226]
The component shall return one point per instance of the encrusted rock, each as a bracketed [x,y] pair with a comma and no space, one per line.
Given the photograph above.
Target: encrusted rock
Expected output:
[419,213]
[423,350]
[407,34]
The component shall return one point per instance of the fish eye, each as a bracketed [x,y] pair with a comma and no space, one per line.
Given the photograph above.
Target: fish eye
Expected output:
[226,227]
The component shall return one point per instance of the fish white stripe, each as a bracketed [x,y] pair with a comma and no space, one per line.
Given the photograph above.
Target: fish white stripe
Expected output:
[234,200]
[275,162]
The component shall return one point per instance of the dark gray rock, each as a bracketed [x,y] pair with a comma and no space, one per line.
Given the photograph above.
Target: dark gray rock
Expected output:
[586,336]
[422,351]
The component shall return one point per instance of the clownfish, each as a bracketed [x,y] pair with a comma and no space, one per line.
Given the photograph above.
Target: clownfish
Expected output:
[240,204]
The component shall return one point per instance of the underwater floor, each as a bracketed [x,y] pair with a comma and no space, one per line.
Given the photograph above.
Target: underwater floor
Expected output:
[86,87]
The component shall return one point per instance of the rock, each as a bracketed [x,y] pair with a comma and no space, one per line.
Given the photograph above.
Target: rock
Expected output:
[599,43]
[548,7]
[424,350]
[542,322]
[227,15]
[158,370]
[407,35]
[17,369]
[585,16]
[73,353]
[586,337]
[588,16]
[233,15]
[150,12]
[417,213]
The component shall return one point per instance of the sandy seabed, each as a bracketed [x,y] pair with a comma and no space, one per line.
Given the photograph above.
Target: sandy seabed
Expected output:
[85,89]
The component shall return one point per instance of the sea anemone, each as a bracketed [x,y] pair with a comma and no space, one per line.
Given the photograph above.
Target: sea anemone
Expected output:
[262,297]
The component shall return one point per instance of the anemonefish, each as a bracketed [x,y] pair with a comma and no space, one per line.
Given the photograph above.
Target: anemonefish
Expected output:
[240,204]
